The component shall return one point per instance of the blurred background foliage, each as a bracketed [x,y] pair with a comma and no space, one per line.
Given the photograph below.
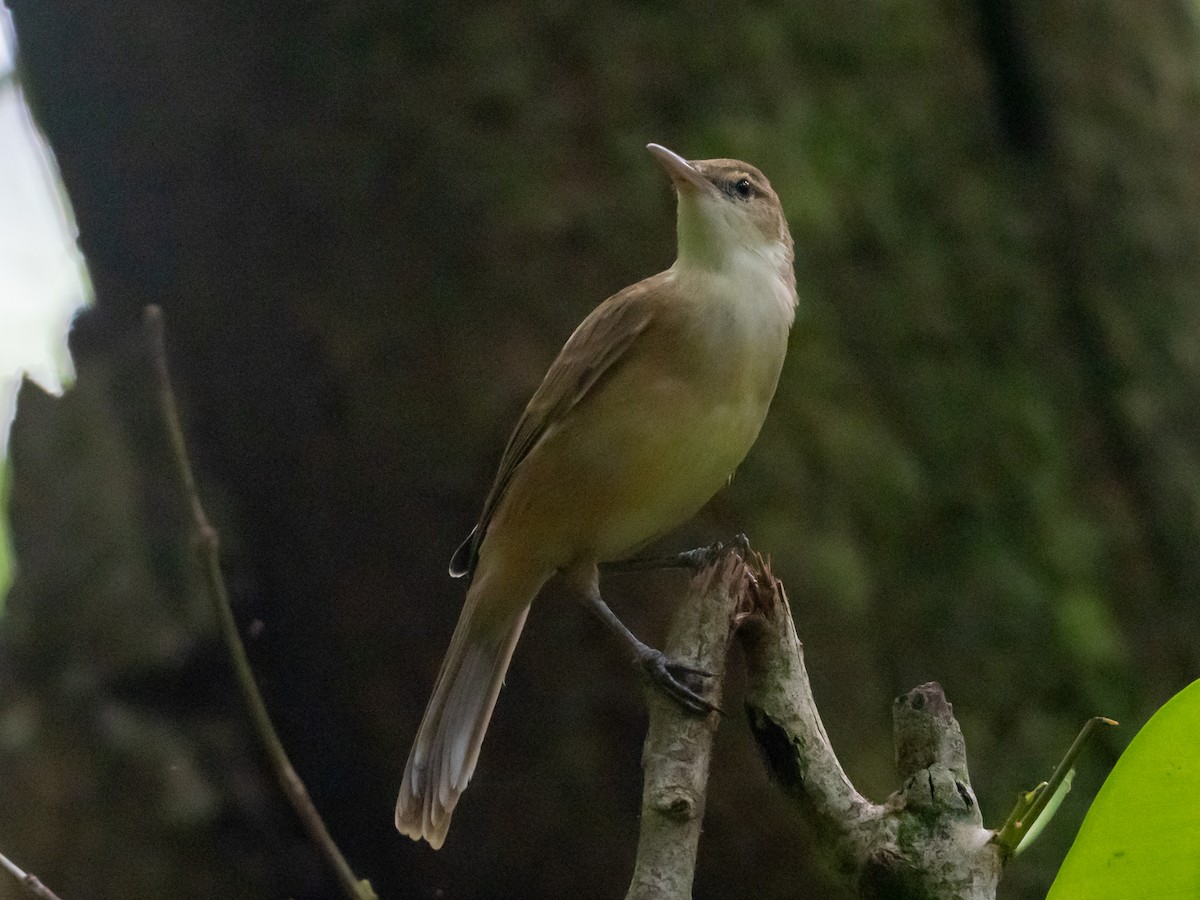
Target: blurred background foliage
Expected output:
[371,225]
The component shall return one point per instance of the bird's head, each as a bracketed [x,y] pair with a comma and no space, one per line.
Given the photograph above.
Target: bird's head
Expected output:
[726,209]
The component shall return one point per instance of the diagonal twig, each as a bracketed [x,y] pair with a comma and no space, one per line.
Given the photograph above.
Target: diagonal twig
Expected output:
[28,881]
[1030,806]
[207,546]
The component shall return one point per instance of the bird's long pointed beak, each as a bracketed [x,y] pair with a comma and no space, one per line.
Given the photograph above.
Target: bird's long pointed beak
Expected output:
[681,171]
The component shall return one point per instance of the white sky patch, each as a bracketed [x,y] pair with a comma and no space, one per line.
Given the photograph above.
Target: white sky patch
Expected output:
[43,281]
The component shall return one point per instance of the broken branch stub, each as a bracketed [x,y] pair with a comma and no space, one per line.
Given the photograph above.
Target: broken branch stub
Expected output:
[927,840]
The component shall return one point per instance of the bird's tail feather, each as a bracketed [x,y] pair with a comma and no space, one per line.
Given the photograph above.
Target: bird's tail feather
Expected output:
[446,748]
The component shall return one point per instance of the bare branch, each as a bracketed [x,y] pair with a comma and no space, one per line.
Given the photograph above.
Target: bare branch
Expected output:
[679,745]
[207,546]
[928,839]
[787,726]
[28,881]
[932,842]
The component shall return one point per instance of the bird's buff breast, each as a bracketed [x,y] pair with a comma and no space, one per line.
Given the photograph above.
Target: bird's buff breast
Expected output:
[639,456]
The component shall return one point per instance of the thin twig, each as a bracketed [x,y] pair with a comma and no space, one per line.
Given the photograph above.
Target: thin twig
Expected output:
[1030,806]
[28,881]
[208,549]
[1068,761]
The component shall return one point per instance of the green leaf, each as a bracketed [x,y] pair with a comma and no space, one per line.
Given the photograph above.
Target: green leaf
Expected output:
[1141,838]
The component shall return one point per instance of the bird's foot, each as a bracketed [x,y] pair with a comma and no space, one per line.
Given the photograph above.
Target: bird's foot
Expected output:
[675,680]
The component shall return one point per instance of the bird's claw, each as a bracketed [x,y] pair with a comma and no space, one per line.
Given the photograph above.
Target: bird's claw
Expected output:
[670,677]
[706,556]
[695,559]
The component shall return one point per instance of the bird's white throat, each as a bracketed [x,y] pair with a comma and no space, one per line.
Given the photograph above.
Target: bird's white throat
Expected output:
[759,280]
[724,254]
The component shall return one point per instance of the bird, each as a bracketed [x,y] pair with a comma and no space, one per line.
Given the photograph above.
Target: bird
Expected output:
[646,412]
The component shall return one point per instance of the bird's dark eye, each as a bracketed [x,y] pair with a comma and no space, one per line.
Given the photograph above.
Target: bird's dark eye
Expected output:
[743,188]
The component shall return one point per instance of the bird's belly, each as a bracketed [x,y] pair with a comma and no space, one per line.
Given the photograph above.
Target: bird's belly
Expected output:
[643,457]
[664,481]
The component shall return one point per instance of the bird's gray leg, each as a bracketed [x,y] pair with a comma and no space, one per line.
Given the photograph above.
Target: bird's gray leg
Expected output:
[665,675]
[689,559]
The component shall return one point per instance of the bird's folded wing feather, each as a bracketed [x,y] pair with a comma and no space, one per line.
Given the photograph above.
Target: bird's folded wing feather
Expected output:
[597,345]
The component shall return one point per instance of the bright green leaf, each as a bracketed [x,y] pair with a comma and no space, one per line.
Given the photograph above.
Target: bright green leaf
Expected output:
[1141,837]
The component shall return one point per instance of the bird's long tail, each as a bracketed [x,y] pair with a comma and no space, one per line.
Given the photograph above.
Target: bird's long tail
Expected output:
[446,748]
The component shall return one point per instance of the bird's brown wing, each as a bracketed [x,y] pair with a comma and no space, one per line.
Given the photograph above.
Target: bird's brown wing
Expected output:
[591,352]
